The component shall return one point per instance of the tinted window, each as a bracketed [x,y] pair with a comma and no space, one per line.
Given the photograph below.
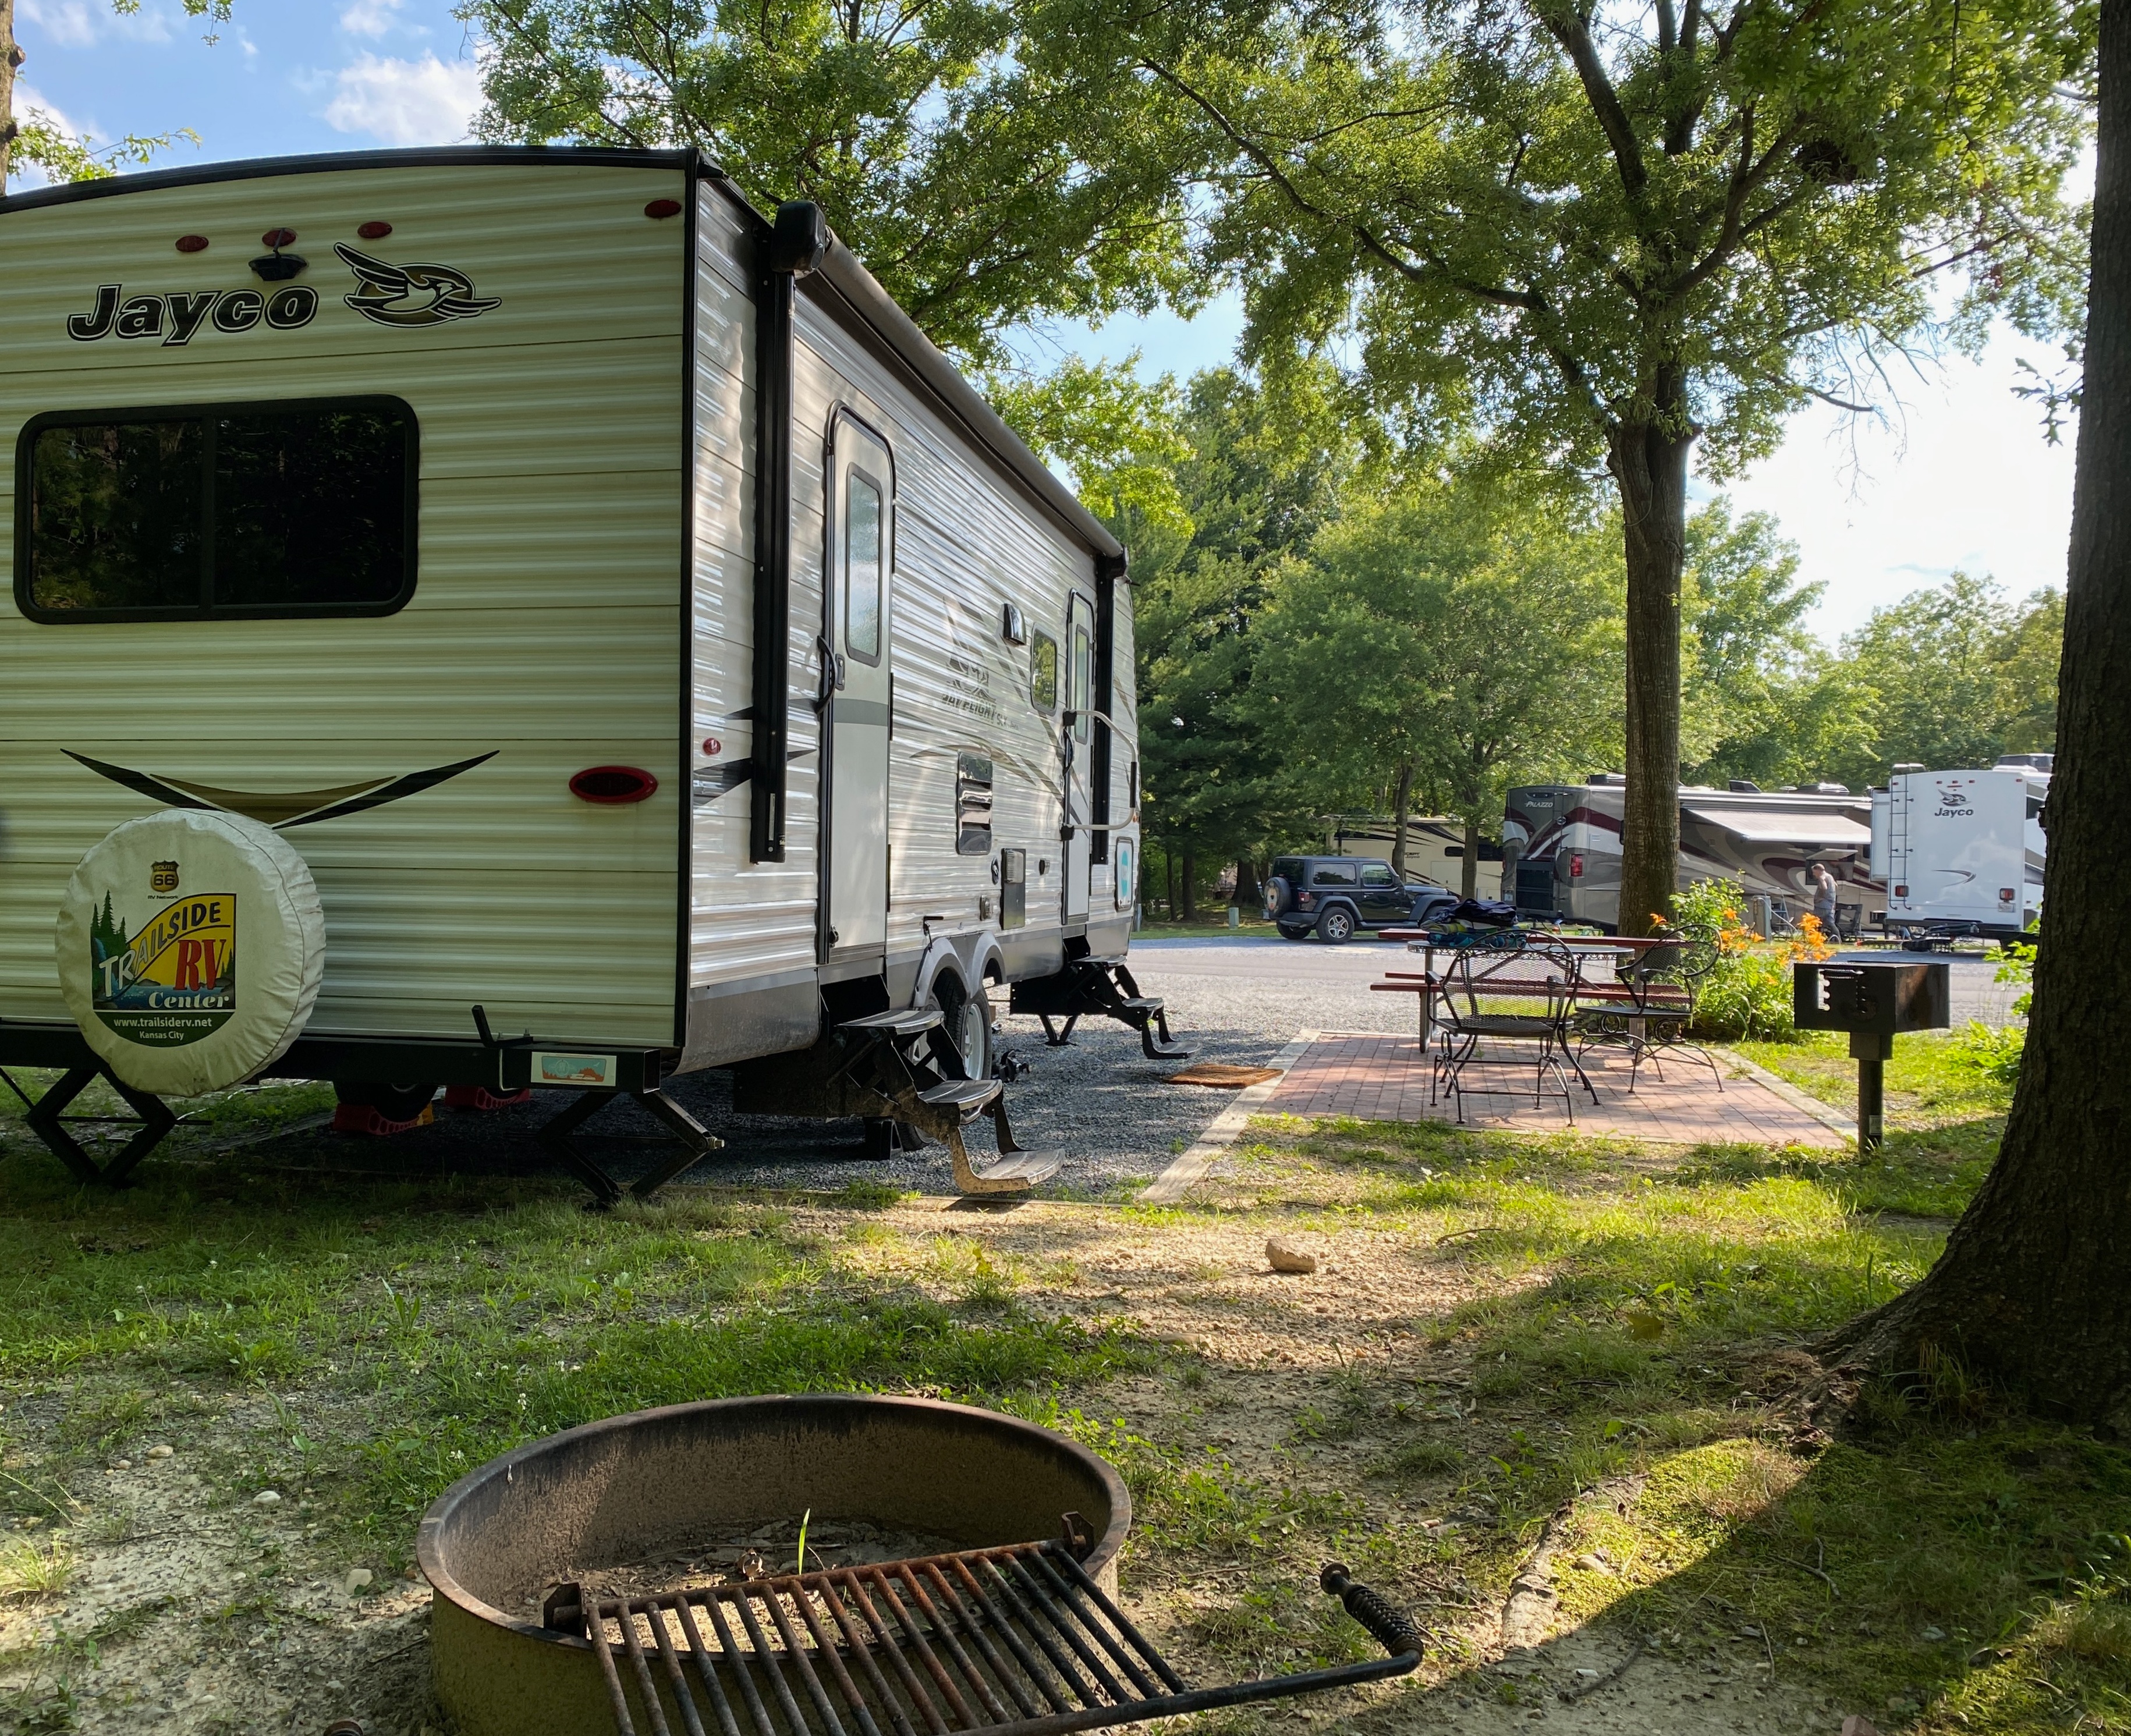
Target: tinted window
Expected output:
[265,509]
[1288,868]
[862,566]
[1376,874]
[1043,673]
[1332,873]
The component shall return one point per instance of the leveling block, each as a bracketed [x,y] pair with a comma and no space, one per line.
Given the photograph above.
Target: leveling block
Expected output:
[361,1118]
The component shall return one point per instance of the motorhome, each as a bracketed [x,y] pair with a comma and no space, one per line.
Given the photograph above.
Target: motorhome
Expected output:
[518,618]
[1563,842]
[1961,851]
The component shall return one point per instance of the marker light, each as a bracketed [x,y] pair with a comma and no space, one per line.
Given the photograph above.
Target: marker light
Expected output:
[663,207]
[277,237]
[192,244]
[374,232]
[613,786]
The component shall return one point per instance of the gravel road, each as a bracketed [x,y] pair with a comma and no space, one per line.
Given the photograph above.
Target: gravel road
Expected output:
[1098,1102]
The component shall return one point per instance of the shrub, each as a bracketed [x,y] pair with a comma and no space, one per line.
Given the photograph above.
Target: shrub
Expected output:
[1749,992]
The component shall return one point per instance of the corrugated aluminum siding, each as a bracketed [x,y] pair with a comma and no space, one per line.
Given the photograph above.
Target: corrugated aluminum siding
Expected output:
[545,627]
[967,542]
[747,919]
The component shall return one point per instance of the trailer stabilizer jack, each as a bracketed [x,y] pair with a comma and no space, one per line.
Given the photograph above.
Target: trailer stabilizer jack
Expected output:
[696,1141]
[1106,990]
[48,1119]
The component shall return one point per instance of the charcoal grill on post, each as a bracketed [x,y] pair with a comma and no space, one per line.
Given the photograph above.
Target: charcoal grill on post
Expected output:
[1016,1641]
[1872,999]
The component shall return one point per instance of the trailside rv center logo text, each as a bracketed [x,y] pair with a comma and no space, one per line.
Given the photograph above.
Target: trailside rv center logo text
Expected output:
[404,297]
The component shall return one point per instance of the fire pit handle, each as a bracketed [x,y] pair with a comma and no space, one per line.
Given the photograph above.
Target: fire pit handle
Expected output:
[1080,1536]
[1393,1629]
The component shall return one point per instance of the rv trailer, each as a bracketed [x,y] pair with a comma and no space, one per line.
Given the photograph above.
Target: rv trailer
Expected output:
[517,618]
[1434,843]
[1565,843]
[1961,851]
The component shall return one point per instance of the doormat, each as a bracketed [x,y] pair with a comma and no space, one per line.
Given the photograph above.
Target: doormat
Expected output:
[1221,1076]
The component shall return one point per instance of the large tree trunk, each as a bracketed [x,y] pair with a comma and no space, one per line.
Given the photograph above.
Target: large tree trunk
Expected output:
[1649,462]
[2034,1291]
[1249,896]
[1468,880]
[1401,802]
[1190,888]
[11,57]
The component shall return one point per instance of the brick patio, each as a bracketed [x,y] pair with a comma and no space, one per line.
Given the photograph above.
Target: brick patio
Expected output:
[1386,1078]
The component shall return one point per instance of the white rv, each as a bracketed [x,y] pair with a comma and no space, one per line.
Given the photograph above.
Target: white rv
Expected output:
[1563,841]
[595,596]
[1961,851]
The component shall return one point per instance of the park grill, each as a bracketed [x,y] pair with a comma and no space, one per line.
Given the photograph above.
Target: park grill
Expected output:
[1018,1640]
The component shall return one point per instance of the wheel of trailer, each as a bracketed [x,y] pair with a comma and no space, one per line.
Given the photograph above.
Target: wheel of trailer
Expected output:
[1278,896]
[966,1022]
[394,1102]
[1337,925]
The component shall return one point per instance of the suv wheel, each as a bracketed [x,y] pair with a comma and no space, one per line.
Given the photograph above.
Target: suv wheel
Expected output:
[1337,925]
[1288,933]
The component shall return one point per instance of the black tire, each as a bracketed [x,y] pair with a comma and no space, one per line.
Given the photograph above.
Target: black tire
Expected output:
[1290,933]
[394,1102]
[1278,898]
[1336,925]
[965,1026]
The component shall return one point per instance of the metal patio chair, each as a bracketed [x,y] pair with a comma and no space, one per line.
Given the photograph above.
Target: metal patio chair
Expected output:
[1657,994]
[1469,1035]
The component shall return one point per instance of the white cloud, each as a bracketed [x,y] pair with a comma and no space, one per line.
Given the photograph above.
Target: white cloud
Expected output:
[82,23]
[424,102]
[370,17]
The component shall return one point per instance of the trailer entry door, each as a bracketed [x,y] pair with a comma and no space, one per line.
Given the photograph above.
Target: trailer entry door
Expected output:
[861,561]
[1080,752]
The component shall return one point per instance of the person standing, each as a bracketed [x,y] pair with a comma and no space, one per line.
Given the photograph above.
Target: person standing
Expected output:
[1823,896]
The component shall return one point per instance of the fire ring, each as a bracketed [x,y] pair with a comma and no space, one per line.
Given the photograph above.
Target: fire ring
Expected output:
[629,1489]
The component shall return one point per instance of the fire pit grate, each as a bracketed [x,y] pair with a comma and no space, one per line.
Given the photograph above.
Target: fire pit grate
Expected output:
[1017,1641]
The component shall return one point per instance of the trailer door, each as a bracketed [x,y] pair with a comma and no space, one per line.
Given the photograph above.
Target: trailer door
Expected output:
[861,561]
[1079,752]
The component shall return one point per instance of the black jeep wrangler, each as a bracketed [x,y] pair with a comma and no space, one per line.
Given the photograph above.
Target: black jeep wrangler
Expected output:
[1336,895]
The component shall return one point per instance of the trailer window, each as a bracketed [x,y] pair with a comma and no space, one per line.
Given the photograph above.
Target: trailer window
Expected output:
[862,567]
[1043,673]
[263,509]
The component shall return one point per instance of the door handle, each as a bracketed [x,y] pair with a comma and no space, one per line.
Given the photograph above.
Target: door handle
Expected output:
[830,681]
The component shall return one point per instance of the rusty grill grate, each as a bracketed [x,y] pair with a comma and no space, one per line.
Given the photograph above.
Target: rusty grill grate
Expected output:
[1016,1641]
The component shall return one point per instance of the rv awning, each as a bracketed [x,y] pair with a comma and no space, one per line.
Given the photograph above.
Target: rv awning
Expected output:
[1781,826]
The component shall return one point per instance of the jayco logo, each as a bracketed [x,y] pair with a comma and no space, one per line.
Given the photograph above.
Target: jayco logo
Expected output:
[412,296]
[175,318]
[389,295]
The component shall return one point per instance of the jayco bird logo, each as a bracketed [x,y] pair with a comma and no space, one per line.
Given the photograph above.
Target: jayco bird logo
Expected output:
[411,295]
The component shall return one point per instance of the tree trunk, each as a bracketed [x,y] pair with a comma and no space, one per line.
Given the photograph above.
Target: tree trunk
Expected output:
[1190,888]
[11,57]
[2031,1293]
[1649,462]
[1401,800]
[1169,882]
[1468,880]
[1249,896]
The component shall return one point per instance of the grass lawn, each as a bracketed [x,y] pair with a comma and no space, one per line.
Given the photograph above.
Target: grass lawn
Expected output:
[1545,1391]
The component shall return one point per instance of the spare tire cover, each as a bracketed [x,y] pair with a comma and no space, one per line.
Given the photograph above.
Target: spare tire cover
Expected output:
[191,947]
[1276,896]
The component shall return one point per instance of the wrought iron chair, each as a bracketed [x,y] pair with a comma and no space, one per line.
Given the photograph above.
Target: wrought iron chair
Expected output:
[1468,1036]
[1659,990]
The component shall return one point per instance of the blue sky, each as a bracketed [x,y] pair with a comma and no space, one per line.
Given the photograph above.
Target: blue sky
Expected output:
[1957,474]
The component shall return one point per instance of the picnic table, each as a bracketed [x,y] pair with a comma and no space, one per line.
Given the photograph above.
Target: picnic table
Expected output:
[1502,979]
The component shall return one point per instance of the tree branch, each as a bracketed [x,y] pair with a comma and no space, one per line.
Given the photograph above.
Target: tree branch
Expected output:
[1572,31]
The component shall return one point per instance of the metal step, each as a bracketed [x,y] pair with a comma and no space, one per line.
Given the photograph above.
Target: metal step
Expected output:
[967,1095]
[1010,1173]
[912,1022]
[1142,1003]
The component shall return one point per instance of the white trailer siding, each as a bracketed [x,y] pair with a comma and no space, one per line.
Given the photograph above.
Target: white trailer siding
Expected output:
[1962,847]
[542,629]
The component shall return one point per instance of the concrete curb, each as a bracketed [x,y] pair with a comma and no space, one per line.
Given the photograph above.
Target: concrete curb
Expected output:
[1193,1166]
[1798,1099]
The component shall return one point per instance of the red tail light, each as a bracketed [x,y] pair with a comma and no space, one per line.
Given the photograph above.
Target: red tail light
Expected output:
[1901,891]
[1575,868]
[613,786]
